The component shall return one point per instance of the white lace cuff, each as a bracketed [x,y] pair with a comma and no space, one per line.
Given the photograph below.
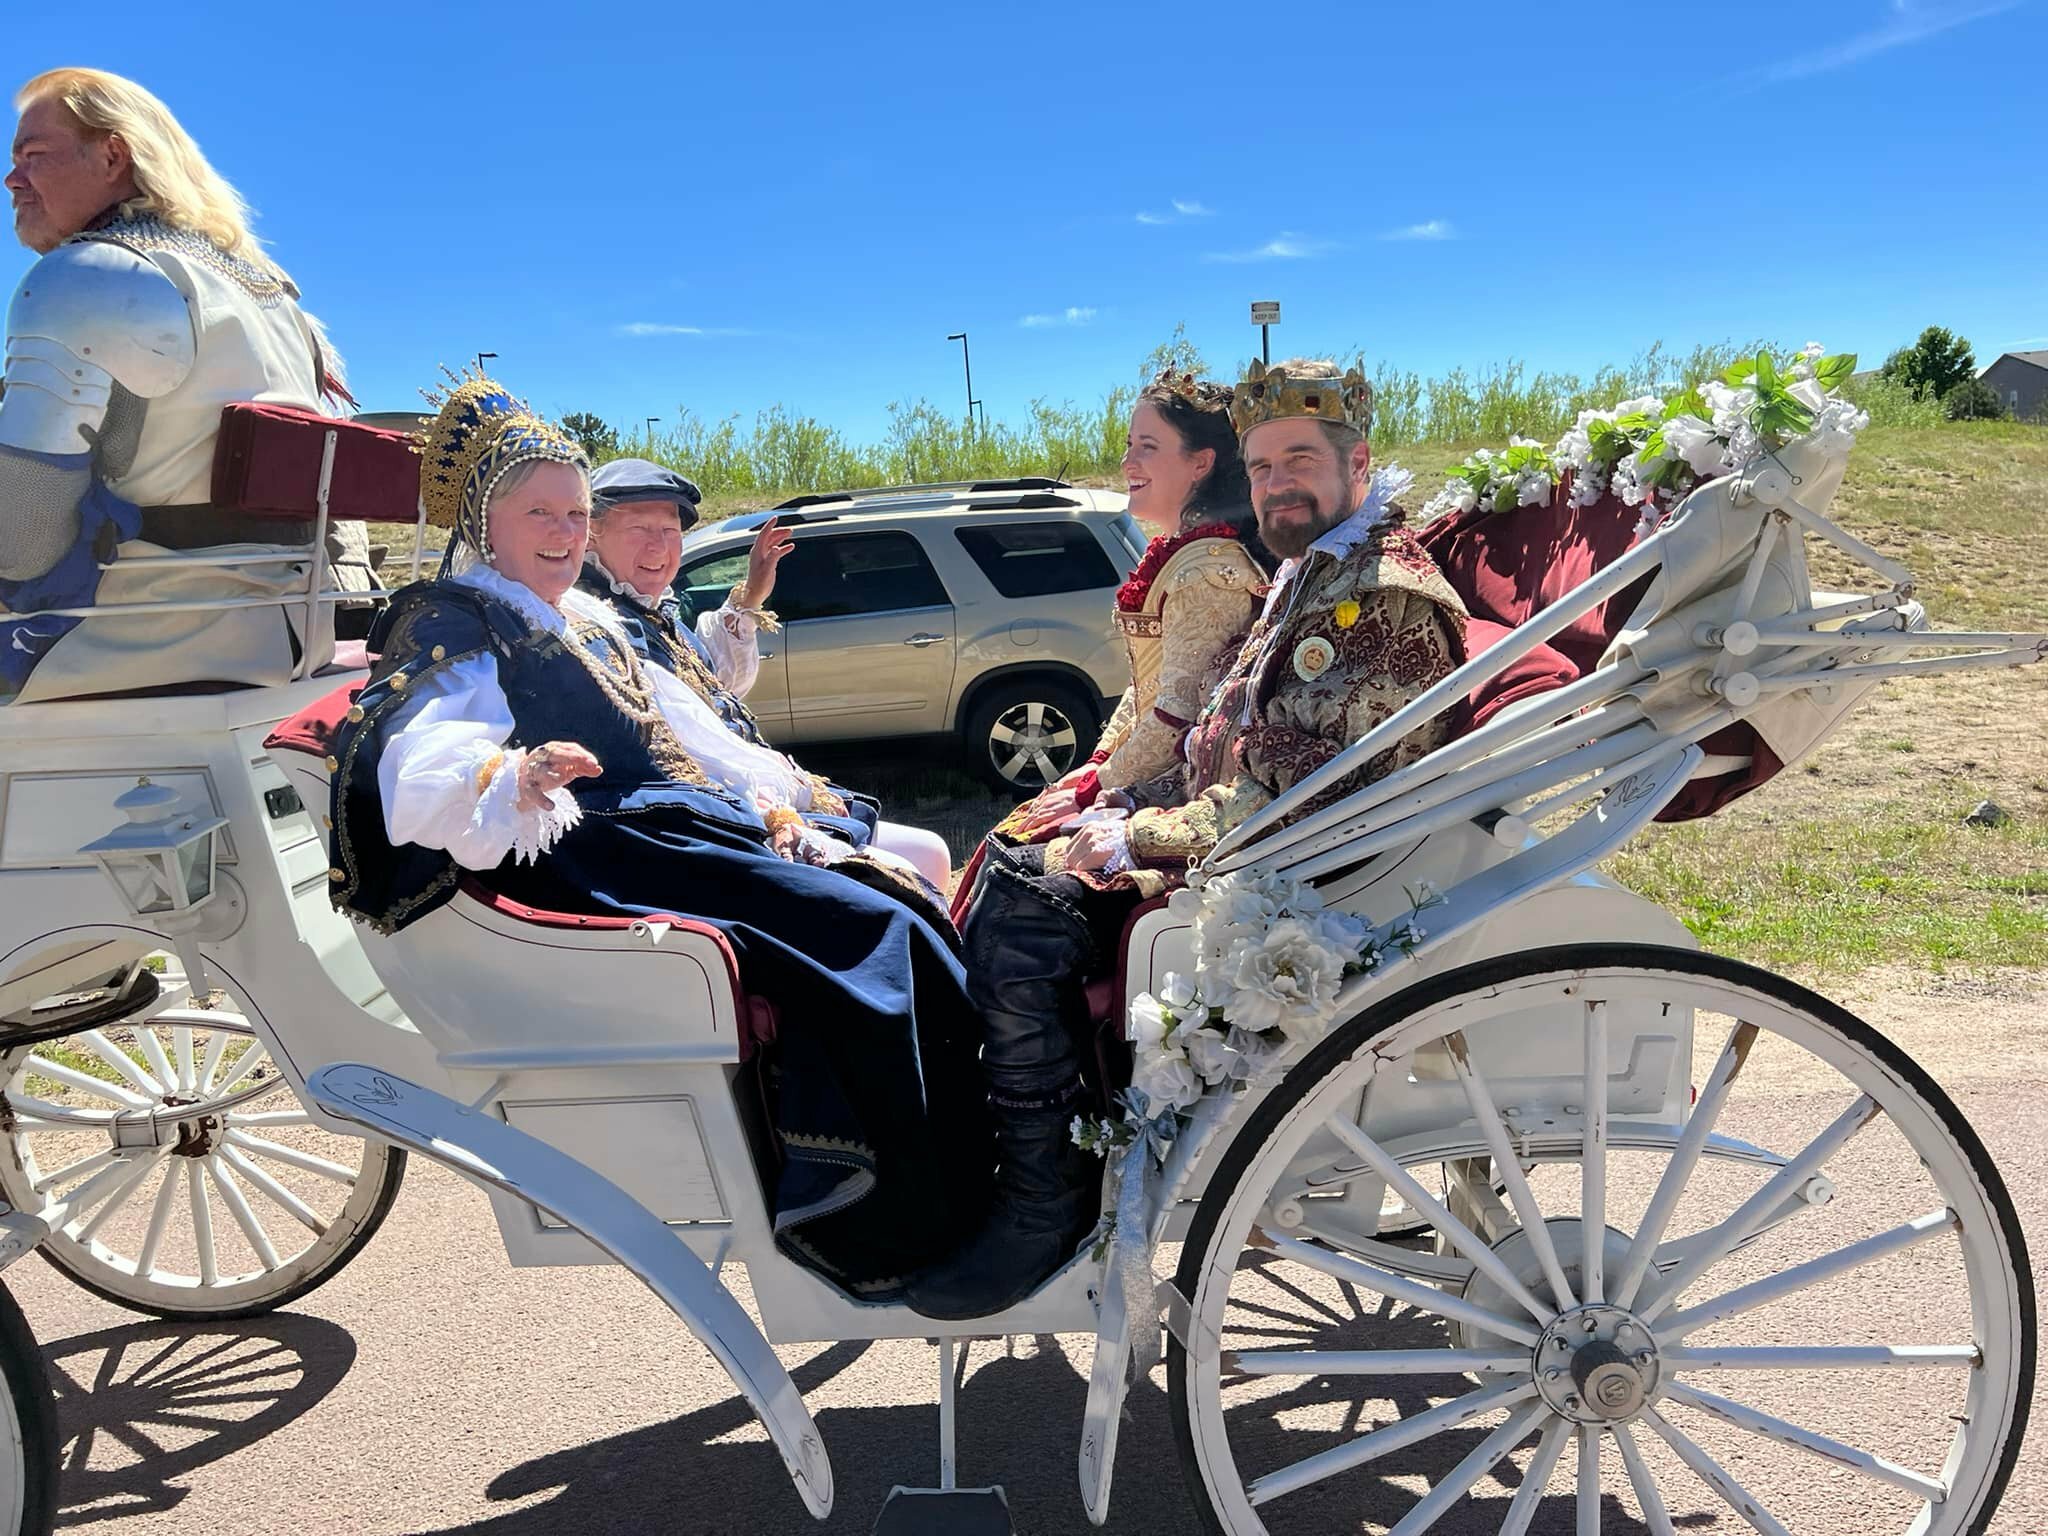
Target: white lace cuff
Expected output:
[498,818]
[740,620]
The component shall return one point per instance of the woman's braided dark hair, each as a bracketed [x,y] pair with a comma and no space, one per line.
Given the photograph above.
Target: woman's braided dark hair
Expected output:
[1199,413]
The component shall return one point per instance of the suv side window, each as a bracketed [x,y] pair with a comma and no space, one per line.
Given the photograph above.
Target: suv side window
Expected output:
[1038,559]
[855,573]
[703,586]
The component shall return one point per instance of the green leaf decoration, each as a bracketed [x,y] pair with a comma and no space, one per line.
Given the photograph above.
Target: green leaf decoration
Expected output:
[1833,372]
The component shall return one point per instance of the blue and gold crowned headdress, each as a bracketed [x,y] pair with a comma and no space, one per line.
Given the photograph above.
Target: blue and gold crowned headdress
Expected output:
[480,433]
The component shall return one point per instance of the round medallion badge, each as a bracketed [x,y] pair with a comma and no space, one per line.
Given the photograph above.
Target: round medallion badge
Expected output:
[1312,658]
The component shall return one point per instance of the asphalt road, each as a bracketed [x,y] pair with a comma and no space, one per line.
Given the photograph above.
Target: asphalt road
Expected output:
[432,1388]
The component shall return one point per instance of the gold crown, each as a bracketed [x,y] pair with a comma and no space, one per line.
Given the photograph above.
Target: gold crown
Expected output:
[1270,394]
[481,431]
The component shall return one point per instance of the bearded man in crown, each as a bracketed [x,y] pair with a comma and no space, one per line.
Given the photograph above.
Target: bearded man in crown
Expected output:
[1357,622]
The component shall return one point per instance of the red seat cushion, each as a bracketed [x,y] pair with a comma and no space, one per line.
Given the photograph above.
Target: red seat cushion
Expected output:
[1539,671]
[267,459]
[312,729]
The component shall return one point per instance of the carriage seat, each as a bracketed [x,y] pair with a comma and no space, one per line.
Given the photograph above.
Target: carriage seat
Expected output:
[1509,566]
[300,746]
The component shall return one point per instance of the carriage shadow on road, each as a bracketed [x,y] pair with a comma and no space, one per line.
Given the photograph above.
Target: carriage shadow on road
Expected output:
[142,1406]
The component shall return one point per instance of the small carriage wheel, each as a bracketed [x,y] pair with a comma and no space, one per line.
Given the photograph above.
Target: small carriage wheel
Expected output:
[1848,1318]
[200,1187]
[29,1437]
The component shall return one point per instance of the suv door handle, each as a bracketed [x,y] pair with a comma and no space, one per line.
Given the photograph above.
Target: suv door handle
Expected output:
[923,639]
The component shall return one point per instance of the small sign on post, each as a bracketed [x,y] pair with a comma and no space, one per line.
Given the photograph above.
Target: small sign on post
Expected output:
[1265,315]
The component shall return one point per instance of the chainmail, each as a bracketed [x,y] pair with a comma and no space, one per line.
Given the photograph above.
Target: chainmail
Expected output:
[38,513]
[120,435]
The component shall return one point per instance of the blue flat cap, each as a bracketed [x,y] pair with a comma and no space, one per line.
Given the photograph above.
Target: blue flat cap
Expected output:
[625,480]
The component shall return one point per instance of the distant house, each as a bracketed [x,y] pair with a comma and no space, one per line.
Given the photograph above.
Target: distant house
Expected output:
[2021,379]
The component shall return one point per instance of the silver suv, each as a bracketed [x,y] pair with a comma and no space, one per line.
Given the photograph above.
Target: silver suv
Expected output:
[978,610]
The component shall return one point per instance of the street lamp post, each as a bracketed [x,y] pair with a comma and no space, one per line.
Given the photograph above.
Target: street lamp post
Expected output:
[650,432]
[480,360]
[966,362]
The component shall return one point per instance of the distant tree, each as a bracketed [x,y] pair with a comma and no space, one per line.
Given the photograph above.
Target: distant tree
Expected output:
[599,440]
[1177,353]
[1933,365]
[1972,400]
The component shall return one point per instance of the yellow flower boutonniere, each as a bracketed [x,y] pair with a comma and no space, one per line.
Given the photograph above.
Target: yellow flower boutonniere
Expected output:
[1347,614]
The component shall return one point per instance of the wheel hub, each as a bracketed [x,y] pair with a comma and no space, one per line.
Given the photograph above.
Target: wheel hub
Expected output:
[1597,1365]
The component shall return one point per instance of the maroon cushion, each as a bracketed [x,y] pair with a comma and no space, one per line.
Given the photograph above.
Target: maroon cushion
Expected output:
[1539,671]
[267,459]
[312,729]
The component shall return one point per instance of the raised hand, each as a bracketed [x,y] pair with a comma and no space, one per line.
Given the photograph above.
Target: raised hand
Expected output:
[770,545]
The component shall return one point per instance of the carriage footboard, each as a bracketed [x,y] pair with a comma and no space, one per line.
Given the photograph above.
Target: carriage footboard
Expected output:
[487,1151]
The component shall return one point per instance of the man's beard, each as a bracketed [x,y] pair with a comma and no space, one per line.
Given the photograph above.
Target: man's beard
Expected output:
[1287,531]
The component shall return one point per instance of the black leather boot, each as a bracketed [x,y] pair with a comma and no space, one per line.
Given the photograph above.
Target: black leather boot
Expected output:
[1027,952]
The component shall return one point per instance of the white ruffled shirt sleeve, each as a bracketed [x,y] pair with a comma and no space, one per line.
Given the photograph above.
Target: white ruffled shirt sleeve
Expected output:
[760,775]
[728,635]
[437,779]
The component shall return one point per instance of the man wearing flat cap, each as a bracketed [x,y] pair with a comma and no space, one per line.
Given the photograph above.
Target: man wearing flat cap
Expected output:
[639,513]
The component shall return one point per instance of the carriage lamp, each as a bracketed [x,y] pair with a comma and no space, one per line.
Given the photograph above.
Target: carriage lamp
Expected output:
[162,857]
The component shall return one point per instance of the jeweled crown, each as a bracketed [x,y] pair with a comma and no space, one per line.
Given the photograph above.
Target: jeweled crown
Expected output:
[1270,394]
[480,432]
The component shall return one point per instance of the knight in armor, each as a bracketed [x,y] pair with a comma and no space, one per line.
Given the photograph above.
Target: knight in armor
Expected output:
[639,514]
[1356,623]
[511,731]
[152,306]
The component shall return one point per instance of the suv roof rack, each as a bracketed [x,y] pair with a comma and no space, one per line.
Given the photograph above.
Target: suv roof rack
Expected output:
[1015,483]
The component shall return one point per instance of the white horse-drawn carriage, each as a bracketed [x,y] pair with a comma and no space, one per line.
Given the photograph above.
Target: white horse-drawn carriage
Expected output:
[1607,1194]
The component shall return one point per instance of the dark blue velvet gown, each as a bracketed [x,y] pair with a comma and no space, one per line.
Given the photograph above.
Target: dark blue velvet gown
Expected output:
[878,1104]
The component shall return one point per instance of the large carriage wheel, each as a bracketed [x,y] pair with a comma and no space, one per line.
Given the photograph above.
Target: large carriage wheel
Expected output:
[201,1186]
[28,1429]
[1810,1308]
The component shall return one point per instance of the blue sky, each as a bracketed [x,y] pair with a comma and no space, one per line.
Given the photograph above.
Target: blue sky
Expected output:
[650,208]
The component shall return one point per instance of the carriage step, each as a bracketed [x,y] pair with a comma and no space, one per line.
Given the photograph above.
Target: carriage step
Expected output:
[944,1512]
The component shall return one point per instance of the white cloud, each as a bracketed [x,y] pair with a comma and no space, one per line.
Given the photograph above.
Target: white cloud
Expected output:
[658,328]
[1073,314]
[1434,229]
[1153,218]
[1189,208]
[1911,21]
[1285,246]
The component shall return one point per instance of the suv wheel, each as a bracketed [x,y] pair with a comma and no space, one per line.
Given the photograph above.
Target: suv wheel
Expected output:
[1024,735]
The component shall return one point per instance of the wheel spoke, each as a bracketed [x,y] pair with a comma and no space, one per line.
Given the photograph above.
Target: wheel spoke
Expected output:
[1522,1508]
[1483,1458]
[1014,766]
[1064,737]
[1417,1294]
[1593,1192]
[1463,1238]
[1756,1422]
[238,1207]
[59,1117]
[181,1043]
[202,1224]
[272,1118]
[1402,1432]
[306,1216]
[1797,1278]
[85,1082]
[216,1047]
[159,1221]
[1372,1362]
[1589,1476]
[1034,716]
[1838,1357]
[119,1171]
[96,1042]
[1678,1172]
[121,1194]
[89,1164]
[1044,765]
[1717,1242]
[305,1162]
[1655,1516]
[1714,1475]
[247,1062]
[1495,1130]
[153,1052]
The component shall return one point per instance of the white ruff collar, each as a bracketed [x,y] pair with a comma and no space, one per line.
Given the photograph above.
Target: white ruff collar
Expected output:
[535,609]
[1338,543]
[621,588]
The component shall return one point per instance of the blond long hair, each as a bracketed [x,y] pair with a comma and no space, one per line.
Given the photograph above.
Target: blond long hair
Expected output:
[173,179]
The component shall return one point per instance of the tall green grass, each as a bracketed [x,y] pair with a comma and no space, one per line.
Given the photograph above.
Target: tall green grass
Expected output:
[783,453]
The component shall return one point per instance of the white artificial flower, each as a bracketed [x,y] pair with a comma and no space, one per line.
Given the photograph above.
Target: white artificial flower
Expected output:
[1210,1055]
[1532,488]
[1813,351]
[1287,981]
[1167,1082]
[1836,428]
[1145,1026]
[1808,393]
[1695,441]
[1176,993]
[1252,1054]
[1651,406]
